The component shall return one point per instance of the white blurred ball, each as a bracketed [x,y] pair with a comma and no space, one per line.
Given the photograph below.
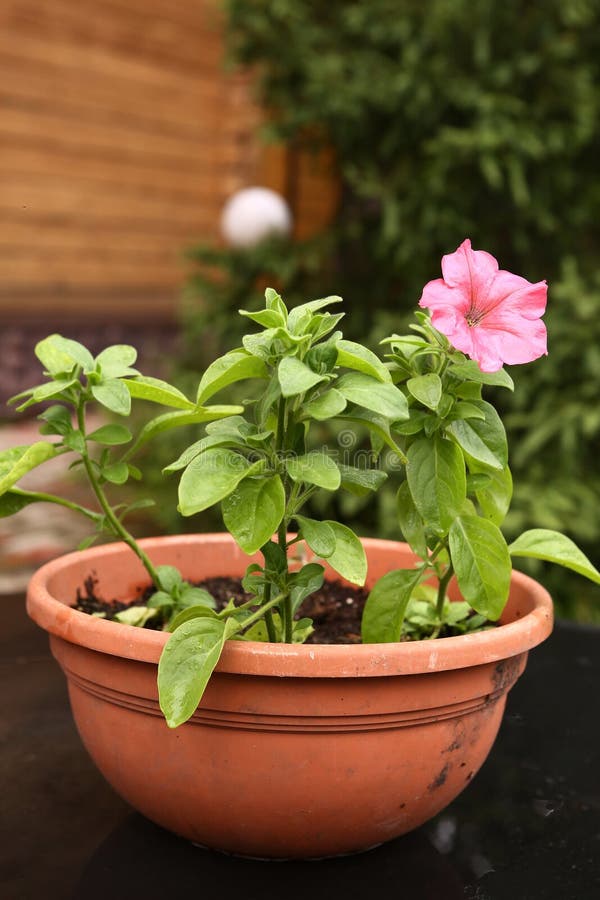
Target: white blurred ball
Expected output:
[253,214]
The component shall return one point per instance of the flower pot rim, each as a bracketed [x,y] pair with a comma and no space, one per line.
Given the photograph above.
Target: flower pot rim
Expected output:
[518,632]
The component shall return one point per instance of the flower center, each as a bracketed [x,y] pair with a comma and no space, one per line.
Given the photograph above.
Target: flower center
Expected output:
[474,317]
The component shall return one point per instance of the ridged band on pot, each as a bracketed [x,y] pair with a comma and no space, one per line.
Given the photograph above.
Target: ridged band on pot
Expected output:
[322,750]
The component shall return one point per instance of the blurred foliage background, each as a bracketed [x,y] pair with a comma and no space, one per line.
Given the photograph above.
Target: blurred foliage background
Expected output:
[446,119]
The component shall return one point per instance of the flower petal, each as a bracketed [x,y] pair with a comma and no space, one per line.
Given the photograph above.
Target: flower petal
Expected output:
[487,349]
[514,347]
[469,270]
[460,336]
[516,296]
[438,295]
[448,307]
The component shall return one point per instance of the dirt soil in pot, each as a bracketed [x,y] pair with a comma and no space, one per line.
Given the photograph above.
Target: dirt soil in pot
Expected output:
[336,609]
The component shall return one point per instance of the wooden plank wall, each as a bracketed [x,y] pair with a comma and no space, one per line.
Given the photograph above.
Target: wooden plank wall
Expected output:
[121,136]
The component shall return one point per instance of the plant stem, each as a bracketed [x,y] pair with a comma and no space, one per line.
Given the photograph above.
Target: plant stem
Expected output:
[265,608]
[227,613]
[268,614]
[293,505]
[286,610]
[287,613]
[41,497]
[280,425]
[442,588]
[118,528]
[267,604]
[400,453]
[436,551]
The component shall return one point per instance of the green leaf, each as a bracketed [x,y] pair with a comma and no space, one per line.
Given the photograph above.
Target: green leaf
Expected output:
[15,462]
[411,523]
[168,577]
[198,447]
[437,480]
[12,502]
[276,563]
[161,600]
[57,419]
[113,395]
[234,426]
[115,361]
[360,481]
[302,630]
[253,512]
[75,440]
[117,473]
[259,632]
[482,564]
[468,390]
[253,580]
[315,305]
[268,318]
[355,356]
[477,481]
[45,391]
[483,439]
[263,345]
[427,389]
[417,420]
[274,301]
[319,536]
[321,325]
[169,420]
[328,405]
[378,427]
[110,435]
[349,558]
[316,468]
[465,410]
[542,543]
[406,343]
[303,312]
[384,399]
[470,371]
[156,391]
[209,478]
[58,354]
[386,606]
[234,366]
[201,610]
[305,582]
[191,596]
[186,664]
[135,615]
[265,408]
[296,378]
[495,496]
[322,358]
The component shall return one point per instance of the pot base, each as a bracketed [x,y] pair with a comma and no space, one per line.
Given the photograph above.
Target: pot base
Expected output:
[284,859]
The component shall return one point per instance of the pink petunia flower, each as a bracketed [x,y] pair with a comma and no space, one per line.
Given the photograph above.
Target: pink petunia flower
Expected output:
[491,315]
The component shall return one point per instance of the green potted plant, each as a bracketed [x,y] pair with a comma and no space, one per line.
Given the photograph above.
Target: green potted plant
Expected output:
[272,746]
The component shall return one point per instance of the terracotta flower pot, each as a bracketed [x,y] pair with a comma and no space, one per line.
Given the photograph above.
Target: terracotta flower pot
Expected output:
[295,751]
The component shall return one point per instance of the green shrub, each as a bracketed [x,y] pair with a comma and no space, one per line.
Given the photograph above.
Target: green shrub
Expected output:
[448,119]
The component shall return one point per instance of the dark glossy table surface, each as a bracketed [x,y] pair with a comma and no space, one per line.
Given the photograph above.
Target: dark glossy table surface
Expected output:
[527,828]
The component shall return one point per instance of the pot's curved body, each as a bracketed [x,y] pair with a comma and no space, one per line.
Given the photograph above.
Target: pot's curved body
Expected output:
[295,751]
